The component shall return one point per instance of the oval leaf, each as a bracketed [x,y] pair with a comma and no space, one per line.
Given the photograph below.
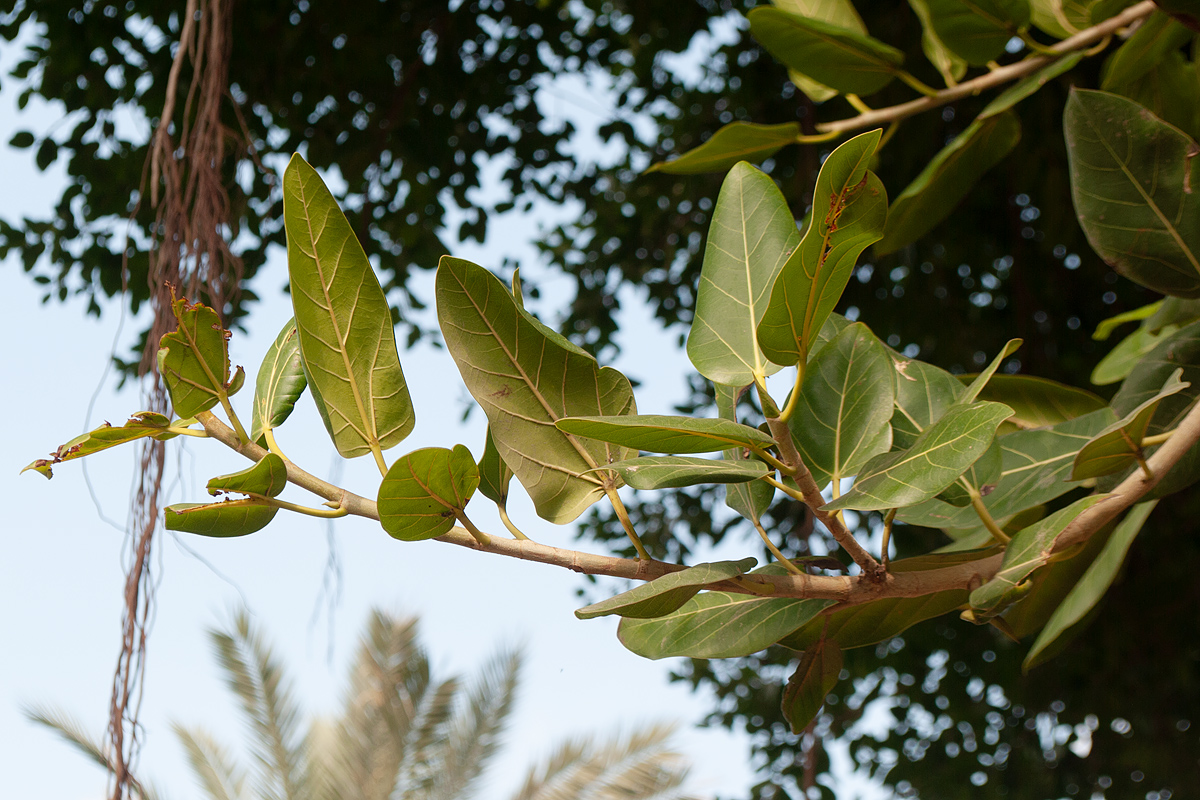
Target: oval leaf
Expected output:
[267,478]
[675,472]
[1134,181]
[345,326]
[424,492]
[814,678]
[661,596]
[737,141]
[978,30]
[751,235]
[815,275]
[230,518]
[667,434]
[194,359]
[280,383]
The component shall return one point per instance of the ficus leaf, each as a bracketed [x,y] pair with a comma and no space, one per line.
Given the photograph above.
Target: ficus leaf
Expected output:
[978,30]
[140,426]
[280,383]
[948,63]
[1154,39]
[347,342]
[267,477]
[923,394]
[1118,446]
[750,500]
[194,359]
[424,492]
[849,214]
[1037,402]
[494,474]
[667,434]
[980,382]
[226,519]
[661,596]
[840,13]
[737,141]
[675,472]
[814,678]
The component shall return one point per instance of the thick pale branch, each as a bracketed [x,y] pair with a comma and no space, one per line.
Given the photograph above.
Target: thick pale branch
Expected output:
[1136,486]
[996,77]
[846,590]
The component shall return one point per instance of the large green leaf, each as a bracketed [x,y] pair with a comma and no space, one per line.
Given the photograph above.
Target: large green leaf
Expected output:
[1028,551]
[718,625]
[1170,90]
[675,472]
[835,12]
[850,214]
[141,425]
[1118,446]
[1154,39]
[237,517]
[978,30]
[751,235]
[1034,470]
[1134,179]
[345,326]
[935,460]
[667,434]
[814,678]
[842,415]
[661,596]
[737,141]
[751,500]
[842,59]
[1092,586]
[947,62]
[425,491]
[923,394]
[1030,84]
[1038,402]
[494,474]
[525,383]
[947,179]
[280,383]
[194,359]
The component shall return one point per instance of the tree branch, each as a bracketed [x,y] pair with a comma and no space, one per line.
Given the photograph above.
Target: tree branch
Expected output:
[996,77]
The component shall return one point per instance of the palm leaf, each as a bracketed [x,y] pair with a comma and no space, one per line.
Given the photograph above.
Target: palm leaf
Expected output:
[220,777]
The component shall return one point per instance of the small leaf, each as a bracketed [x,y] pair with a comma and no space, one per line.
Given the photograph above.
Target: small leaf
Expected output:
[661,596]
[21,140]
[842,59]
[424,492]
[1038,402]
[1129,352]
[936,459]
[194,359]
[1106,327]
[140,426]
[280,383]
[1133,180]
[675,472]
[1118,446]
[846,401]
[230,518]
[978,30]
[751,235]
[945,181]
[814,678]
[849,214]
[345,326]
[267,478]
[750,500]
[718,625]
[47,152]
[1154,39]
[1028,551]
[1030,84]
[667,434]
[494,474]
[737,141]
[1093,585]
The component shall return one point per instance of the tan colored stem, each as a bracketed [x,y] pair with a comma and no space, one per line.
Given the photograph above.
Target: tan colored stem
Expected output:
[997,77]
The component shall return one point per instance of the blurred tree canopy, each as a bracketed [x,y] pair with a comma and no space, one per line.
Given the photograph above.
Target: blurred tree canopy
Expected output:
[410,101]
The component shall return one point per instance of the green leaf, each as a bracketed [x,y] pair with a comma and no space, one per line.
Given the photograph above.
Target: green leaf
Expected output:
[424,492]
[1173,311]
[1133,179]
[1170,90]
[1118,446]
[1030,84]
[750,500]
[814,678]
[718,625]
[815,275]
[923,395]
[280,383]
[345,326]
[948,64]
[21,140]
[737,141]
[980,381]
[1106,327]
[1129,352]
[1092,586]
[876,621]
[1051,15]
[494,474]
[751,235]
[846,401]
[141,425]
[978,30]
[674,472]
[1035,468]
[230,518]
[840,13]
[1028,551]
[194,359]
[267,478]
[668,593]
[1154,39]
[1038,402]
[842,59]
[947,179]
[525,383]
[1186,11]
[983,476]
[47,152]
[667,434]
[939,455]
[546,330]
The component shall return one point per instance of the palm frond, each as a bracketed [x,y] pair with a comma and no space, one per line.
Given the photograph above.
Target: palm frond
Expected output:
[71,731]
[423,749]
[641,767]
[256,678]
[212,766]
